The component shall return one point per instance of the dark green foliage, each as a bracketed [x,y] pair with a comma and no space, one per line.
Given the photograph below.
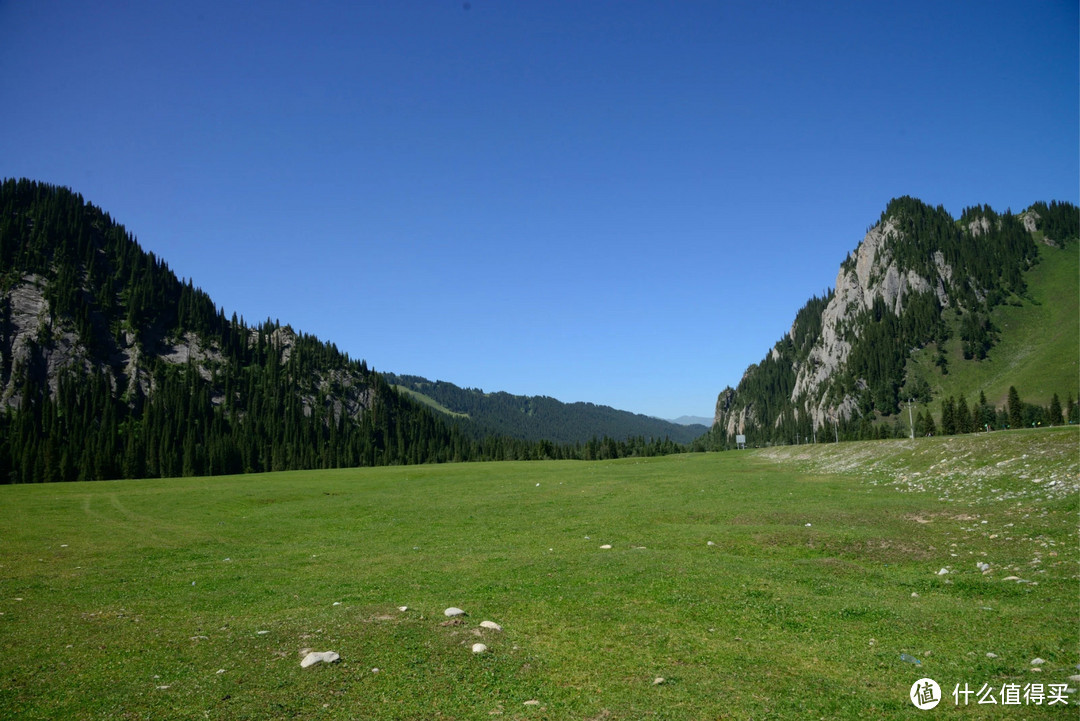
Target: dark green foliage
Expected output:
[263,398]
[540,417]
[978,335]
[1058,221]
[948,416]
[964,423]
[1053,413]
[880,355]
[1015,408]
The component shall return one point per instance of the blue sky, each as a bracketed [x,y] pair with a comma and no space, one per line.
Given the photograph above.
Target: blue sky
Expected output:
[618,202]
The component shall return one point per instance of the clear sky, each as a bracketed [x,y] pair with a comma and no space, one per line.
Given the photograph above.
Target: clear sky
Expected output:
[618,202]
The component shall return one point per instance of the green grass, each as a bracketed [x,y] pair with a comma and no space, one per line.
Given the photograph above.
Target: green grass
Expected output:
[1039,348]
[125,599]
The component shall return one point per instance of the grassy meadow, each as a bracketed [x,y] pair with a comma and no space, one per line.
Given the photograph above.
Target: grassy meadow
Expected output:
[1037,349]
[777,583]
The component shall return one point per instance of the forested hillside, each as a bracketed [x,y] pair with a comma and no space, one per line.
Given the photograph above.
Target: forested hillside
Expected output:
[920,283]
[111,366]
[537,418]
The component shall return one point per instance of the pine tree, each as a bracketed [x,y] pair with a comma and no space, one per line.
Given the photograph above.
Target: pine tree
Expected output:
[1016,409]
[963,416]
[948,416]
[1054,412]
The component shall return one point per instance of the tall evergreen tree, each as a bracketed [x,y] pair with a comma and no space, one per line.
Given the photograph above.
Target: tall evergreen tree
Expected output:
[1016,408]
[1054,411]
[963,416]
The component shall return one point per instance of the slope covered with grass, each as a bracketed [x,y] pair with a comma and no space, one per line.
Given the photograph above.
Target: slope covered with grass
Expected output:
[1039,347]
[782,583]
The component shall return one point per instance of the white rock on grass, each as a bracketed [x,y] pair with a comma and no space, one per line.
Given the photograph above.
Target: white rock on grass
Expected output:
[479,648]
[319,657]
[491,624]
[943,572]
[991,654]
[403,609]
[1038,661]
[453,611]
[710,543]
[606,546]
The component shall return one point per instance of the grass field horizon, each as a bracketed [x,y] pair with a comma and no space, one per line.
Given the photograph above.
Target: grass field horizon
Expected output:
[782,583]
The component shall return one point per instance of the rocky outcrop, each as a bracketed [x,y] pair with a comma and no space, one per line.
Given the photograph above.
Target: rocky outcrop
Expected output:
[35,341]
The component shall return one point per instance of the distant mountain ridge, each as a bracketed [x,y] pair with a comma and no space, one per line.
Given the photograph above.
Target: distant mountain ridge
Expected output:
[919,280]
[537,418]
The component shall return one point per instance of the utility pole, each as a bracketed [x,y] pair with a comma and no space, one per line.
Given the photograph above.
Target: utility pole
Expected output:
[911,422]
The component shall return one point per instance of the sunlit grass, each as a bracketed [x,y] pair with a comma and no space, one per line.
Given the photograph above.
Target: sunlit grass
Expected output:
[145,599]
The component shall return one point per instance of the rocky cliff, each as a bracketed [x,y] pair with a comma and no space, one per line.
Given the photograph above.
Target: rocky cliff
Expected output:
[844,357]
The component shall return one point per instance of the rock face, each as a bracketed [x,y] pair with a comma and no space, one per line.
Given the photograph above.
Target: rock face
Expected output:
[916,260]
[874,274]
[33,339]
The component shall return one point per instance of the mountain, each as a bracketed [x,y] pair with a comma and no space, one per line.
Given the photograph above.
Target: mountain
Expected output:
[535,418]
[923,301]
[111,366]
[693,421]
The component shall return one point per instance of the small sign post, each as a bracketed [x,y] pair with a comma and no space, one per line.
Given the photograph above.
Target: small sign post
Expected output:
[740,442]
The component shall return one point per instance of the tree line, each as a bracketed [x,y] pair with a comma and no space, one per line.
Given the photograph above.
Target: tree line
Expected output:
[249,399]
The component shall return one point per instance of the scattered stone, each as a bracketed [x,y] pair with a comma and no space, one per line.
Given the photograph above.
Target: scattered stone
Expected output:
[162,688]
[479,648]
[808,525]
[453,611]
[532,702]
[710,543]
[403,608]
[492,625]
[319,657]
[1075,677]
[374,670]
[606,546]
[221,671]
[943,572]
[1038,661]
[914,595]
[1036,669]
[262,633]
[337,603]
[657,681]
[991,655]
[1011,578]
